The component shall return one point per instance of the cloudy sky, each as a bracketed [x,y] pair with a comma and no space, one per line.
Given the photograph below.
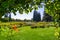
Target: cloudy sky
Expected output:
[29,15]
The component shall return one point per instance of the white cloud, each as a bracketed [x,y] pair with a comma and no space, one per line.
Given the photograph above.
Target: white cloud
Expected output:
[27,16]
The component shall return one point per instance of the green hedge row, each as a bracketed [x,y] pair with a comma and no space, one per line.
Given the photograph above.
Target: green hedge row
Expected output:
[32,24]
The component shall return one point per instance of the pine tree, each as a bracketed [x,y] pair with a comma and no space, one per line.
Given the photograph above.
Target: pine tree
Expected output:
[36,16]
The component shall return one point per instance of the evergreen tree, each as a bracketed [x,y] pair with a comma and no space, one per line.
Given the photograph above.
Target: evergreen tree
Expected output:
[36,16]
[47,17]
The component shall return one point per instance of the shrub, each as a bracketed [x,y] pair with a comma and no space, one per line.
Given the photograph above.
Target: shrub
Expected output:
[33,25]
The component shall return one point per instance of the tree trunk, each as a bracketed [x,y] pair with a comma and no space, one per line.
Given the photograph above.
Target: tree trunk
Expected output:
[0,17]
[9,17]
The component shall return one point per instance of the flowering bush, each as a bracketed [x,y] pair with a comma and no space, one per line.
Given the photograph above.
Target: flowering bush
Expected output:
[6,32]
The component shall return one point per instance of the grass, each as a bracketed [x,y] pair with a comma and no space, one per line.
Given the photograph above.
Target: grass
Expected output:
[38,34]
[26,33]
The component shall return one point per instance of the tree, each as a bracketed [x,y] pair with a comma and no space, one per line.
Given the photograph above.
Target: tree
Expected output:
[52,7]
[14,5]
[47,17]
[36,16]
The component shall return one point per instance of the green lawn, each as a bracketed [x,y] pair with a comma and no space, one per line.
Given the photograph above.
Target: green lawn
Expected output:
[26,33]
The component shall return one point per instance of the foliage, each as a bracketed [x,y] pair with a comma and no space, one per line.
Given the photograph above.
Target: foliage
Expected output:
[14,5]
[42,24]
[32,24]
[52,7]
[36,16]
[6,32]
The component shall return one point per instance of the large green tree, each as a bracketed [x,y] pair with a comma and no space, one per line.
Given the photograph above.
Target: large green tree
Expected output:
[51,7]
[14,5]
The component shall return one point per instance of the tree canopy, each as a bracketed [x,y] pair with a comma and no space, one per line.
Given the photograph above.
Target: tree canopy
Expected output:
[52,7]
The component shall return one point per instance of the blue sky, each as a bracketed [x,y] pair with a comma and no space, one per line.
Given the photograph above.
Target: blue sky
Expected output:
[28,16]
